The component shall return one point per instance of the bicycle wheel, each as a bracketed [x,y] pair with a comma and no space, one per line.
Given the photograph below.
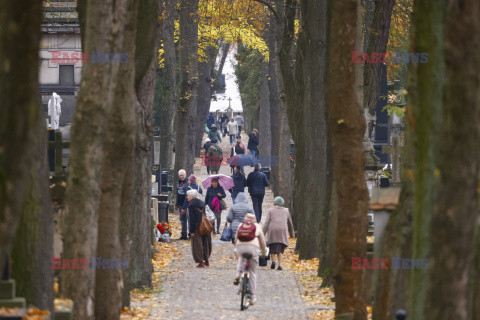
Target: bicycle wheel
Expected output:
[244,303]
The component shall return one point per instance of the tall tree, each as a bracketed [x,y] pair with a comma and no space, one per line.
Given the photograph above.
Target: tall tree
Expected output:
[456,209]
[308,120]
[169,83]
[104,30]
[19,42]
[347,127]
[185,139]
[117,166]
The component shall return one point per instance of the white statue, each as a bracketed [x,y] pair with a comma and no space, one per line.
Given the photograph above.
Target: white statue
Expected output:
[55,110]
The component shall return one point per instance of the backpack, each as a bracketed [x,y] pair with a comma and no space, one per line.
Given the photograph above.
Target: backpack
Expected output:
[246,231]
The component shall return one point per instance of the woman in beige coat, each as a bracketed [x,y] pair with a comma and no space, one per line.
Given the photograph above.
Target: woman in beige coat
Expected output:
[277,227]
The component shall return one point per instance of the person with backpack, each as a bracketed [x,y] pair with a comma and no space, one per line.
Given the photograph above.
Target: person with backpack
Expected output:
[278,225]
[256,183]
[249,239]
[215,155]
[201,244]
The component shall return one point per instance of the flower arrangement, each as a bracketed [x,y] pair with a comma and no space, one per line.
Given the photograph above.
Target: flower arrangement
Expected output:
[164,228]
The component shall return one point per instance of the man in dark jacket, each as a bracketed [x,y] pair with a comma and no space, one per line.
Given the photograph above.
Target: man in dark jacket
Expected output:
[253,142]
[181,192]
[240,182]
[207,146]
[256,183]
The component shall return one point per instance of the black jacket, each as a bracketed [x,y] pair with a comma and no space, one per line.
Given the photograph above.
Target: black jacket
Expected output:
[195,216]
[181,192]
[256,183]
[240,183]
[212,193]
[252,142]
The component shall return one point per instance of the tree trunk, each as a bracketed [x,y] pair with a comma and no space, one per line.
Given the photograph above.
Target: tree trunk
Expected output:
[425,107]
[264,134]
[103,32]
[377,43]
[347,127]
[117,168]
[19,42]
[33,246]
[170,87]
[307,112]
[457,171]
[141,267]
[185,138]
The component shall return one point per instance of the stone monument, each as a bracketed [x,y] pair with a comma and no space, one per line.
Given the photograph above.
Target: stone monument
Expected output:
[54,111]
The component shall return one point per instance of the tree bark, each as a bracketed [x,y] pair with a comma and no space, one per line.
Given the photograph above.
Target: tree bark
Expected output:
[347,127]
[19,42]
[117,166]
[170,87]
[377,43]
[185,139]
[307,113]
[33,246]
[457,171]
[103,32]
[264,125]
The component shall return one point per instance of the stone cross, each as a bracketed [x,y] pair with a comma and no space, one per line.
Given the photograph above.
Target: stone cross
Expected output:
[394,152]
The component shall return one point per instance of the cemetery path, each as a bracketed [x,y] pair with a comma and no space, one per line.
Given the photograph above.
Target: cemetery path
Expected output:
[208,293]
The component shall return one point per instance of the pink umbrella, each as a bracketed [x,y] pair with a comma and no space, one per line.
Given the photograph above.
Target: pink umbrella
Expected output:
[225,181]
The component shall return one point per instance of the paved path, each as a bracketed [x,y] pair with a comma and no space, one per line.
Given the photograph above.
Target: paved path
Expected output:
[188,292]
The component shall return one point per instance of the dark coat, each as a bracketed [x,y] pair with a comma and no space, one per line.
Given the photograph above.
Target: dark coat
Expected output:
[240,183]
[210,120]
[212,193]
[252,142]
[207,146]
[181,192]
[190,187]
[195,216]
[256,183]
[214,134]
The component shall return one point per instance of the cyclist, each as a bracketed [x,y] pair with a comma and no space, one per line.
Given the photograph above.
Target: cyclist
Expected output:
[250,240]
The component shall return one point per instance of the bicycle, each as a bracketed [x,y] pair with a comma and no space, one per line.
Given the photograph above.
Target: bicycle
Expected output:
[244,289]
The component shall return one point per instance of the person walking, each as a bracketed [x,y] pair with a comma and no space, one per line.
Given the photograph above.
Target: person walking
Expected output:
[238,148]
[240,121]
[214,194]
[223,124]
[206,157]
[214,134]
[192,180]
[181,189]
[240,182]
[278,225]
[250,230]
[232,128]
[215,155]
[253,142]
[210,120]
[256,183]
[236,213]
[201,244]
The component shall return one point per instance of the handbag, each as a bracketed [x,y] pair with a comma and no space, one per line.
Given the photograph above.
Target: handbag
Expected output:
[209,213]
[205,227]
[226,233]
[223,205]
[262,262]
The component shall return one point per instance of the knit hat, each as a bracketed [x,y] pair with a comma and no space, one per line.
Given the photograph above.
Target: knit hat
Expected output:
[279,201]
[255,130]
[250,217]
[192,178]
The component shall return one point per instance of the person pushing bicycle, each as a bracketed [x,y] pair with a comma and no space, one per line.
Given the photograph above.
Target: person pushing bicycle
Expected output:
[249,240]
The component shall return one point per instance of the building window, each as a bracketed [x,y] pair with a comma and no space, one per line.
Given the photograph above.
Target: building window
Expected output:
[66,75]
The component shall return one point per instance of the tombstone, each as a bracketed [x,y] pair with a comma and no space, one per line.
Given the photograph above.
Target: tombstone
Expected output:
[54,111]
[382,203]
[380,129]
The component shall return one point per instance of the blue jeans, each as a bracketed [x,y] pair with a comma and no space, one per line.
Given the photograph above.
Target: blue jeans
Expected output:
[253,153]
[257,201]
[233,199]
[232,138]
